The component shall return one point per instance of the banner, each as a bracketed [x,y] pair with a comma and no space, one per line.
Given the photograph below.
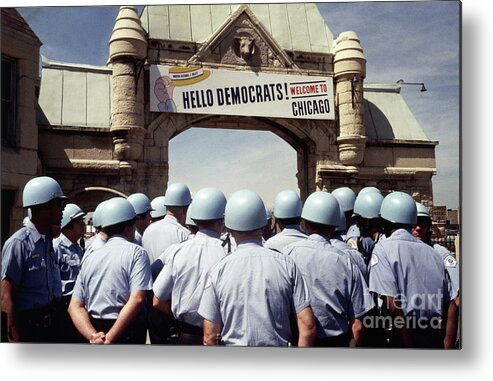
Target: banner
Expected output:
[224,92]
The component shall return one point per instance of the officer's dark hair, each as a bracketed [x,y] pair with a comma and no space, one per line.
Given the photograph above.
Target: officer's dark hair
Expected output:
[176,209]
[69,226]
[206,224]
[289,221]
[315,227]
[388,226]
[424,219]
[141,216]
[118,228]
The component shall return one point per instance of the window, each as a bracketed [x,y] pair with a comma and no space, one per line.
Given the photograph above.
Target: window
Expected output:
[8,101]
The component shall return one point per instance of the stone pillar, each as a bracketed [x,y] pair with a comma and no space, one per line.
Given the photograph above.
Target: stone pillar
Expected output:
[349,72]
[128,52]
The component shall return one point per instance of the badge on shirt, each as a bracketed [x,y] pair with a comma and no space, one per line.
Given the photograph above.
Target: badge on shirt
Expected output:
[450,261]
[373,260]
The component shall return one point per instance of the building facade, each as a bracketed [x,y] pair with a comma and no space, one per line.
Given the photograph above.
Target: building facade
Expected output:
[99,136]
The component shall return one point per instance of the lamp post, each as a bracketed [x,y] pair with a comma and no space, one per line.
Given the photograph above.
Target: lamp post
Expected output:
[423,88]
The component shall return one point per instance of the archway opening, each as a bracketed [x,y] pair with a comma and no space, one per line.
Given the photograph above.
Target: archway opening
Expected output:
[232,160]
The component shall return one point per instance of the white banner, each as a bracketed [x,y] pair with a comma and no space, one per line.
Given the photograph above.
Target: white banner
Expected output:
[213,91]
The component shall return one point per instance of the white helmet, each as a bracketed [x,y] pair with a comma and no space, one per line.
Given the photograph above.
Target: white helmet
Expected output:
[422,210]
[367,204]
[287,204]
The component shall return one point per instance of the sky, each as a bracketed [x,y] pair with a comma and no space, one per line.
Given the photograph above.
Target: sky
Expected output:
[414,41]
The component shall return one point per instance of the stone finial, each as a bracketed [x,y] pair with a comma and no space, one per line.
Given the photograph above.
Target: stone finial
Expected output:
[349,57]
[128,37]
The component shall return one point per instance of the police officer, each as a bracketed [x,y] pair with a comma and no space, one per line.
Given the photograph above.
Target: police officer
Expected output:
[367,217]
[161,234]
[178,288]
[190,224]
[423,231]
[287,213]
[31,286]
[100,238]
[252,295]
[346,198]
[143,208]
[107,305]
[337,287]
[69,254]
[410,278]
[353,230]
[159,210]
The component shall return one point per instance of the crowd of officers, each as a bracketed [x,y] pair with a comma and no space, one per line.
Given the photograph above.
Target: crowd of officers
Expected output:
[340,270]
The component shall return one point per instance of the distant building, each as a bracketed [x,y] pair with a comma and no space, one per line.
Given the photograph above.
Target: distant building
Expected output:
[20,85]
[439,214]
[453,216]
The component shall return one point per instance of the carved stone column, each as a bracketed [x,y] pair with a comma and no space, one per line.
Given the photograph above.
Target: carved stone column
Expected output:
[349,72]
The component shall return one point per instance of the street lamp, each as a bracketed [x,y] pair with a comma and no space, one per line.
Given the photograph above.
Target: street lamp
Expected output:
[423,88]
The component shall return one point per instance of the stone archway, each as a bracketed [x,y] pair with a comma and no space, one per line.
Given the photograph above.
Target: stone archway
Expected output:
[307,138]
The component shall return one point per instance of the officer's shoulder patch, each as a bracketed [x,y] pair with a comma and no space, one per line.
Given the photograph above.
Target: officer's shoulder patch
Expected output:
[373,260]
[450,261]
[352,243]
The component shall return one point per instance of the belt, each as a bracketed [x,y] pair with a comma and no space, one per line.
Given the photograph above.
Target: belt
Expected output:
[43,317]
[190,329]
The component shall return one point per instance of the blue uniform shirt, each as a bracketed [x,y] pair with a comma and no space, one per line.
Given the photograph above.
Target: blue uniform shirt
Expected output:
[354,255]
[94,243]
[407,269]
[109,275]
[69,259]
[29,262]
[183,277]
[451,266]
[161,234]
[335,283]
[253,293]
[290,234]
[138,238]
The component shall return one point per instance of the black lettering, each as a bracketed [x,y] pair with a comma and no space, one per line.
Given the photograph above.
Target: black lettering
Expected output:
[279,91]
[258,89]
[210,98]
[294,108]
[327,106]
[235,95]
[220,97]
[186,100]
[192,99]
[251,90]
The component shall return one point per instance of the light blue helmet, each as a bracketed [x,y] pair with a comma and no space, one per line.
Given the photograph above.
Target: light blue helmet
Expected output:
[367,205]
[399,207]
[369,189]
[321,208]
[342,220]
[422,211]
[188,219]
[287,204]
[96,216]
[140,202]
[245,211]
[346,197]
[158,208]
[71,212]
[177,194]
[117,210]
[41,190]
[208,204]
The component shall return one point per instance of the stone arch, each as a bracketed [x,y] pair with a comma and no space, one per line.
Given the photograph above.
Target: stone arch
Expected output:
[310,139]
[89,197]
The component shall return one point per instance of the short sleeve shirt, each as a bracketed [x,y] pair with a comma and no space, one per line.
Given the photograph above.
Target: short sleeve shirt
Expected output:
[29,262]
[69,259]
[451,266]
[110,275]
[254,293]
[184,275]
[289,234]
[161,234]
[405,268]
[336,285]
